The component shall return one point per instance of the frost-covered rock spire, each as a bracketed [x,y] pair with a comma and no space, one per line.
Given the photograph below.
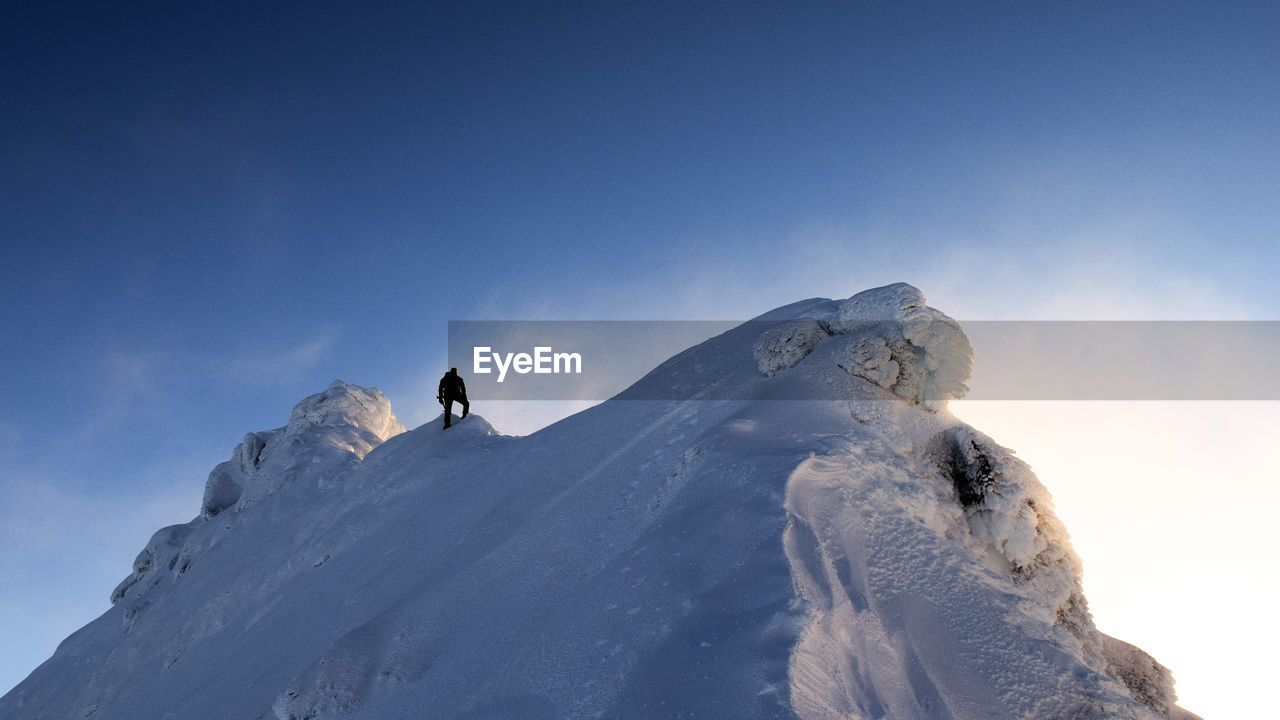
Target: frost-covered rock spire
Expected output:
[326,432]
[891,338]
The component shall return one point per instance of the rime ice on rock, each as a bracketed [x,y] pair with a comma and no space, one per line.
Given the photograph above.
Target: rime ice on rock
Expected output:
[891,338]
[1011,518]
[787,343]
[326,432]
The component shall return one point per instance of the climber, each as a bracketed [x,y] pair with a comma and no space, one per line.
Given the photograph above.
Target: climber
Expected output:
[452,388]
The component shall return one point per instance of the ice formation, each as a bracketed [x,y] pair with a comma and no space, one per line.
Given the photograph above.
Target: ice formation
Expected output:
[325,432]
[889,336]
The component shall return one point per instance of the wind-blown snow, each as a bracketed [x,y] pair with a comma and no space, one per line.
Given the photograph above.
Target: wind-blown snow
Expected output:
[863,556]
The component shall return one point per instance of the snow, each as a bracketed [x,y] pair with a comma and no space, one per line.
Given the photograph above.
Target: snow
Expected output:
[893,339]
[325,432]
[928,357]
[863,555]
[785,344]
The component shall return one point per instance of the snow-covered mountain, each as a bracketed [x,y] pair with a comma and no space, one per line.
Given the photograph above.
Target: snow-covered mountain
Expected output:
[863,556]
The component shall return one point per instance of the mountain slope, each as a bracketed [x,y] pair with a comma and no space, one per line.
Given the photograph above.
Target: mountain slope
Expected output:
[731,553]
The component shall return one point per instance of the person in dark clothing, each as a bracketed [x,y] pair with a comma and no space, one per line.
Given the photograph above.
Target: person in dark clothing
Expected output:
[452,389]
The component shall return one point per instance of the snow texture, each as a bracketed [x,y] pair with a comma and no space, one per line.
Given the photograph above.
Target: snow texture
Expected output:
[862,556]
[325,433]
[890,338]
[785,344]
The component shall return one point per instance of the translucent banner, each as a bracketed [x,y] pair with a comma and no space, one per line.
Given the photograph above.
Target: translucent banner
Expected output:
[1011,360]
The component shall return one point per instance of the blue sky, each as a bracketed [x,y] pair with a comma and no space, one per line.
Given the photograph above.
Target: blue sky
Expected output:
[209,211]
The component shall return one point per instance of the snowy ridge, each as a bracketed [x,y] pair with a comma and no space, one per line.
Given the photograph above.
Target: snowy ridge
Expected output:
[326,432]
[863,556]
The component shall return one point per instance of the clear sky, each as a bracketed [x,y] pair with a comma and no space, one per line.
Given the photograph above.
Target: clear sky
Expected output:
[211,210]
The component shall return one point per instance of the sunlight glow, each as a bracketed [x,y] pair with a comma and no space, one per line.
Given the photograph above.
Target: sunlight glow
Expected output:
[1166,503]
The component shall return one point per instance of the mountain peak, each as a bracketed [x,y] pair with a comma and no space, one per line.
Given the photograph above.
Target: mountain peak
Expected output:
[726,552]
[327,433]
[344,404]
[888,336]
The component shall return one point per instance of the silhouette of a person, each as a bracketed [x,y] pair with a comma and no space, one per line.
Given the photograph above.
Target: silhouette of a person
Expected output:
[452,389]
